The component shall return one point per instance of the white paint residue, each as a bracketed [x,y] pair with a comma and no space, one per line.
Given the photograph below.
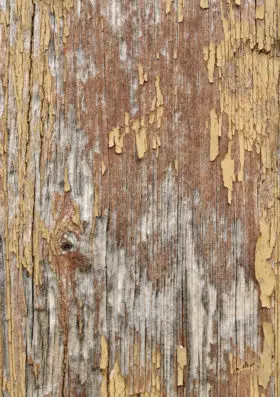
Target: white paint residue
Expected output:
[123,51]
[114,15]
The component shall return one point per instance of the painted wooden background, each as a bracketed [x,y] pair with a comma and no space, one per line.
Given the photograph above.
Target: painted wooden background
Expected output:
[139,198]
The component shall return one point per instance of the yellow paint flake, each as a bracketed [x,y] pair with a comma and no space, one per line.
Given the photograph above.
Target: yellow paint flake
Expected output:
[76,218]
[117,385]
[139,125]
[141,137]
[228,172]
[156,359]
[181,4]
[116,139]
[104,362]
[143,77]
[159,96]
[67,186]
[104,353]
[266,360]
[66,32]
[168,6]
[103,167]
[263,269]
[204,4]
[215,133]
[156,143]
[181,363]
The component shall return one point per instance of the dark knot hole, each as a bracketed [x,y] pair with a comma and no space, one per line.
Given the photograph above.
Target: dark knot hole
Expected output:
[67,246]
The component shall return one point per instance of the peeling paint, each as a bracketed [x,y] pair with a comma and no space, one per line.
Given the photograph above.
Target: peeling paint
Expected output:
[266,359]
[182,362]
[215,133]
[141,126]
[143,76]
[204,4]
[228,173]
[263,269]
[245,66]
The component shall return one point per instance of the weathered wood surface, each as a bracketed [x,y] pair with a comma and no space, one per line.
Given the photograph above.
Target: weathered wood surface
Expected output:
[139,215]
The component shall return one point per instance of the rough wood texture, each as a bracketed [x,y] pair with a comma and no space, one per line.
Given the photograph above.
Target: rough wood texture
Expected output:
[139,198]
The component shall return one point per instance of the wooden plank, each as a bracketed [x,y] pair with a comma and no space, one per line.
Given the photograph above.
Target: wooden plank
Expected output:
[139,190]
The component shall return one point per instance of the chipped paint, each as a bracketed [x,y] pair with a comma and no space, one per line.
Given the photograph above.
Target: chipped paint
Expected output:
[52,144]
[116,139]
[265,370]
[247,66]
[143,76]
[181,5]
[168,6]
[263,269]
[141,126]
[67,186]
[228,173]
[141,137]
[104,361]
[204,4]
[103,168]
[117,385]
[181,363]
[215,133]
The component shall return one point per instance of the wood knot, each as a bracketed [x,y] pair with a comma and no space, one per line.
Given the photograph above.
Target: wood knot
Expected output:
[69,243]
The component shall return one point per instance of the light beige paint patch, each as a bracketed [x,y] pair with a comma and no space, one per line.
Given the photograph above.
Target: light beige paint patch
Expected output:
[117,387]
[168,6]
[215,133]
[141,137]
[204,4]
[159,96]
[67,186]
[104,362]
[103,168]
[265,370]
[181,4]
[142,76]
[116,139]
[228,173]
[181,363]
